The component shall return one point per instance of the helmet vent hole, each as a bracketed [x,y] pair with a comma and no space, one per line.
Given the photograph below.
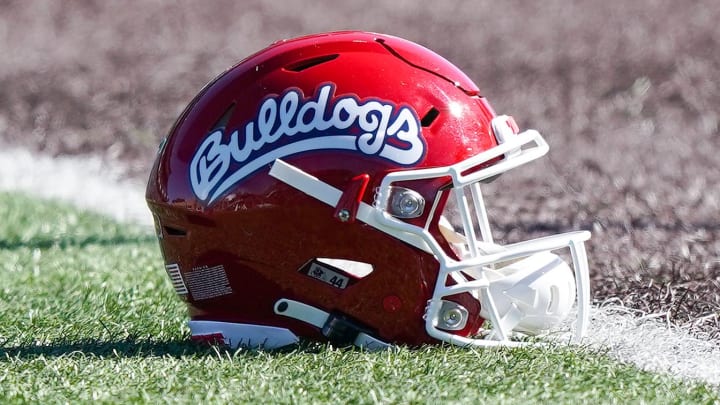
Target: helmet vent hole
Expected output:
[172,231]
[429,117]
[308,63]
[224,118]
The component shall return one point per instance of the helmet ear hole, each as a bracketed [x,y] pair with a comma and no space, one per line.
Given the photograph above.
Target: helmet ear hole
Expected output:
[308,63]
[173,231]
[429,117]
[339,273]
[352,267]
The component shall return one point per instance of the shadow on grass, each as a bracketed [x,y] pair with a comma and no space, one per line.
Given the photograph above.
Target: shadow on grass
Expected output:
[129,348]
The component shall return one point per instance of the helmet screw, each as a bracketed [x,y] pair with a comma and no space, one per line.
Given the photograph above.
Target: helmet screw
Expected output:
[452,317]
[343,215]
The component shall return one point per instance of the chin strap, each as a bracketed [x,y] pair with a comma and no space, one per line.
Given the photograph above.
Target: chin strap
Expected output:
[337,329]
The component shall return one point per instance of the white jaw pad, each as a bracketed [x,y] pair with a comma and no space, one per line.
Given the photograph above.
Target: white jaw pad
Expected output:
[532,295]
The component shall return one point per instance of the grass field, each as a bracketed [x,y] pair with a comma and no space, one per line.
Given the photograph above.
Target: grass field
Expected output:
[87,315]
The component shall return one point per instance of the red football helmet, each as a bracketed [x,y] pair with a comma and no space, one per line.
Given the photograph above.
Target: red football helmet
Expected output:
[328,188]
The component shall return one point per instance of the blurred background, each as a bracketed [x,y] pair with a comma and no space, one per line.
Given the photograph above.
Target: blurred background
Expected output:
[626,93]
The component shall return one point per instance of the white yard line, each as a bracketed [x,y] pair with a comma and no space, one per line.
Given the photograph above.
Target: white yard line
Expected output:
[93,184]
[87,182]
[652,344]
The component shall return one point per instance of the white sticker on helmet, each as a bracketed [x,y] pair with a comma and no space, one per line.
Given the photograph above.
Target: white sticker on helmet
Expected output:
[289,124]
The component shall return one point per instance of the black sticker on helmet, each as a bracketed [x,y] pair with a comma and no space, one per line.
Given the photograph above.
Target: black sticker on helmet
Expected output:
[326,273]
[207,282]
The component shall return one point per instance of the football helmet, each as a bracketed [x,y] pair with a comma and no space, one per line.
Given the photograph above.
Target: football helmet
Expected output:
[329,188]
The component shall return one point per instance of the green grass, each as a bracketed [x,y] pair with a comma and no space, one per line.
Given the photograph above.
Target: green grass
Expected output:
[87,315]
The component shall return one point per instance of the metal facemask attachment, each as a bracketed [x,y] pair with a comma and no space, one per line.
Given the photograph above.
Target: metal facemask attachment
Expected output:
[522,288]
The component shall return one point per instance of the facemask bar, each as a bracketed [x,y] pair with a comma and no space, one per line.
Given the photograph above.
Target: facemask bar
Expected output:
[516,150]
[481,213]
[481,284]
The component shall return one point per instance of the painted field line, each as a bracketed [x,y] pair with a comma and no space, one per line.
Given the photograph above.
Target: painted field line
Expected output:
[87,182]
[91,183]
[652,344]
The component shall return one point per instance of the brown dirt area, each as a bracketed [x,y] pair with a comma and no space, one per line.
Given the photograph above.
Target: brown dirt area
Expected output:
[626,93]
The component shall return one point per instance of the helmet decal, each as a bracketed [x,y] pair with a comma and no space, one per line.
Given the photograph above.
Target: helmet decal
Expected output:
[290,124]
